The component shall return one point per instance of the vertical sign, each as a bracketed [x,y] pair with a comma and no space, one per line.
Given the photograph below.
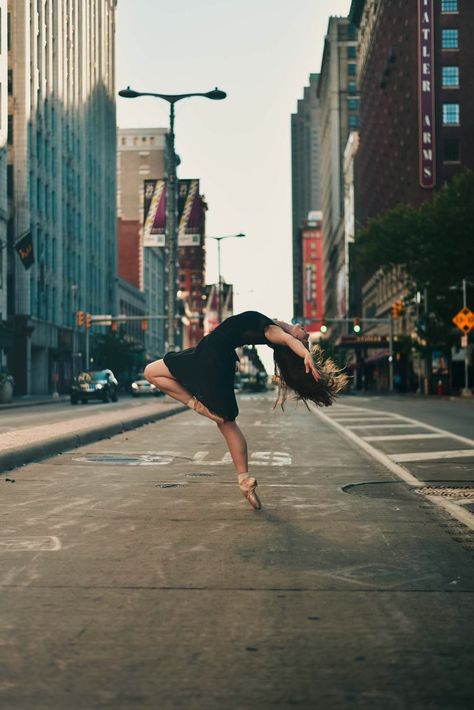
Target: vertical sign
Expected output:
[426,94]
[154,213]
[189,213]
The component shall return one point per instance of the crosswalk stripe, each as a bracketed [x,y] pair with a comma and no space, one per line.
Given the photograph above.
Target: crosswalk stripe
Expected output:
[432,455]
[402,437]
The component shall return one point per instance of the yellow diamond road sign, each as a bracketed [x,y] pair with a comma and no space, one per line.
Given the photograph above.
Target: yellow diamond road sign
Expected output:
[464,319]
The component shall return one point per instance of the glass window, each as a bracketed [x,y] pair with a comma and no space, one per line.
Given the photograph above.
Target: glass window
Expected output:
[353,121]
[10,82]
[449,6]
[351,69]
[351,52]
[450,114]
[352,104]
[451,150]
[352,87]
[450,39]
[450,77]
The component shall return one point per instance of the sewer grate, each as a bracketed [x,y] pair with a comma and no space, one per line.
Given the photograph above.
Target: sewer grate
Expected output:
[447,491]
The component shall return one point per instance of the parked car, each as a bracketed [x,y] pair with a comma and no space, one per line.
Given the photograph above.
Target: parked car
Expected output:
[95,384]
[141,386]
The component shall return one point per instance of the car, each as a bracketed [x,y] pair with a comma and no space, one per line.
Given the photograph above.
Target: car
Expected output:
[140,385]
[94,384]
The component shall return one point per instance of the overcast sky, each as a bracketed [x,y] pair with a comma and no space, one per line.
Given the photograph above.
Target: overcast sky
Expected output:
[261,53]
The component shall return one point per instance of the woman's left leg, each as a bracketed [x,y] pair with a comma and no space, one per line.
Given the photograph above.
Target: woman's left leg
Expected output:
[237,446]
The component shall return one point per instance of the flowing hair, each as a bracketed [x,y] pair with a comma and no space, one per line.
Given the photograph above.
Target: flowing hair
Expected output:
[290,374]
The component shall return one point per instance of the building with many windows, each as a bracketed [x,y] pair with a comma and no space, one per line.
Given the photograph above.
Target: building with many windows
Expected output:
[61,181]
[141,157]
[339,101]
[5,330]
[305,176]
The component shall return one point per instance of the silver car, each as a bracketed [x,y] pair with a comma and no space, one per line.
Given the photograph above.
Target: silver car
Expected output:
[141,386]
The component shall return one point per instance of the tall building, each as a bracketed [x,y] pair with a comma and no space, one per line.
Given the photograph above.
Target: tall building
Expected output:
[5,330]
[141,157]
[61,181]
[417,99]
[305,176]
[338,96]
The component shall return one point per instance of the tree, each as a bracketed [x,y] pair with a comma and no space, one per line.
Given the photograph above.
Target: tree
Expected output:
[433,246]
[112,351]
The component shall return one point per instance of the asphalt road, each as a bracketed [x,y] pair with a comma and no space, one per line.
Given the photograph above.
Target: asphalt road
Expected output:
[134,575]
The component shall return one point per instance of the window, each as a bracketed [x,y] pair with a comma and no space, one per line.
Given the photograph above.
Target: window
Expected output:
[352,87]
[10,129]
[450,39]
[449,6]
[351,69]
[353,121]
[352,104]
[450,114]
[450,77]
[451,151]
[351,52]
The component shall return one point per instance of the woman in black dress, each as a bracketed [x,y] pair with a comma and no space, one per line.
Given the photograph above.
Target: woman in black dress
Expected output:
[203,377]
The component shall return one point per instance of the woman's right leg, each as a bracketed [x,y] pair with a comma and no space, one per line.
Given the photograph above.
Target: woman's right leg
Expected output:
[158,374]
[237,446]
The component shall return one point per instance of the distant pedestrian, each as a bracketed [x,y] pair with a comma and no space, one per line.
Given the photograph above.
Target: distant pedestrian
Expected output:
[203,377]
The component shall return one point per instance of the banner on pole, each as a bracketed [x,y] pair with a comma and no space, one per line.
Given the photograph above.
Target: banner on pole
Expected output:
[189,213]
[154,212]
[24,249]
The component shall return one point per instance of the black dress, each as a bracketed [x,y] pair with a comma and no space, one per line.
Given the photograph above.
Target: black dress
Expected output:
[208,370]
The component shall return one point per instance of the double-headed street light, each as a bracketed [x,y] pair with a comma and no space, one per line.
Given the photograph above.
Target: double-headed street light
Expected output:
[219,286]
[172,194]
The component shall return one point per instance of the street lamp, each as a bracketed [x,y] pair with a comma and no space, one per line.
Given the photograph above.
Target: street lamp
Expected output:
[172,194]
[219,287]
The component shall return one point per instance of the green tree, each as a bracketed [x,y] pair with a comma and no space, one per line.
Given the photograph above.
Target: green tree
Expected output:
[123,357]
[434,248]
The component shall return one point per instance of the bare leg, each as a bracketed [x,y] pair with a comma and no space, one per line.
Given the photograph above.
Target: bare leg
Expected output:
[158,374]
[237,446]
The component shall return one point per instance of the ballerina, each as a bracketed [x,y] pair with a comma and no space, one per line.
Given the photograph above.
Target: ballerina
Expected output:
[203,378]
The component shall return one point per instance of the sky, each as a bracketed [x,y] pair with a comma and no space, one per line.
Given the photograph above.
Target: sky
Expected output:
[261,53]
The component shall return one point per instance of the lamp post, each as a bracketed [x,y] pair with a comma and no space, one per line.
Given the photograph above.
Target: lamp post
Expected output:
[219,286]
[172,194]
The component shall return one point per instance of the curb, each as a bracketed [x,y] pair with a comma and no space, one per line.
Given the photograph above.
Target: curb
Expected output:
[32,403]
[52,447]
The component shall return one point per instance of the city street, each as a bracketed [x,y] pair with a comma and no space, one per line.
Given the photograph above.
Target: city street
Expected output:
[134,574]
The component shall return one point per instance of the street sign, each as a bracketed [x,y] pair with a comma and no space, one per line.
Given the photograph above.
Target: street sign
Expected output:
[464,319]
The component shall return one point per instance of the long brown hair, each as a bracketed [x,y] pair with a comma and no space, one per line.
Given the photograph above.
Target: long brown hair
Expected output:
[290,374]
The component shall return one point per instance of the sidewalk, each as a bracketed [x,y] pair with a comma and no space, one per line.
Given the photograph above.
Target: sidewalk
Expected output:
[134,575]
[22,446]
[34,401]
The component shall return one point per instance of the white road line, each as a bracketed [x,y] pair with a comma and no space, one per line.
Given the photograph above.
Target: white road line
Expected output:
[383,426]
[432,455]
[371,450]
[464,516]
[402,437]
[360,419]
[450,435]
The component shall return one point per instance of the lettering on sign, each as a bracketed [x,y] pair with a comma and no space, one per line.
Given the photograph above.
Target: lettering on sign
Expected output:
[426,95]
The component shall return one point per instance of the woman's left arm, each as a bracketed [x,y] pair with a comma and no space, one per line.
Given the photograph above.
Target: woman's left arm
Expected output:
[277,336]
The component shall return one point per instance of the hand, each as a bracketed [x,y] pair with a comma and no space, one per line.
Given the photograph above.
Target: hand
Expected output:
[310,366]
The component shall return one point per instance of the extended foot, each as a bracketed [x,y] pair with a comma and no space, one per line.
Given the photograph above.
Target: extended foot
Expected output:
[201,408]
[247,485]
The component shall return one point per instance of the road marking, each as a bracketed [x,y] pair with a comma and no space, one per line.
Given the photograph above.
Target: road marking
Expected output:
[464,516]
[361,419]
[384,426]
[45,543]
[402,437]
[368,448]
[432,455]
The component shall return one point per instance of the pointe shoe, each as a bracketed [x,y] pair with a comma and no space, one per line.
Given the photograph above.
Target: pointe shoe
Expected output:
[247,486]
[201,408]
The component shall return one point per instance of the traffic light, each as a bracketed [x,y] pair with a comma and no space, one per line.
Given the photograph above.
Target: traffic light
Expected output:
[144,325]
[88,320]
[397,309]
[356,325]
[323,327]
[80,319]
[114,326]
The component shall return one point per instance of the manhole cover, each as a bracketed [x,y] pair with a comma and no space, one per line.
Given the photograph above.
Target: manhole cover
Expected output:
[377,489]
[447,491]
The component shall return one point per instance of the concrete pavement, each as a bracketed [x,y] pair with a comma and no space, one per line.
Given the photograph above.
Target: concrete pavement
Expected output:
[134,575]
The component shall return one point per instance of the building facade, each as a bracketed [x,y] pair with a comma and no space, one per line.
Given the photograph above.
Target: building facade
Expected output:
[141,156]
[339,100]
[61,182]
[305,176]
[5,328]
